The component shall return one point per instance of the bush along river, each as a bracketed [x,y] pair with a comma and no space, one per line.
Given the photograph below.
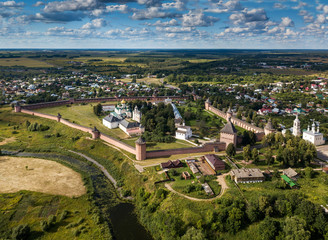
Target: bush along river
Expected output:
[119,215]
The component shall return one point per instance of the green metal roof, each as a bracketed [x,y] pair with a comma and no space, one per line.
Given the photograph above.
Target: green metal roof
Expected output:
[288,180]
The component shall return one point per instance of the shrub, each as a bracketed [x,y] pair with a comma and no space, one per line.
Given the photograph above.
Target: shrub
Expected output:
[63,215]
[126,192]
[44,127]
[51,220]
[21,232]
[44,225]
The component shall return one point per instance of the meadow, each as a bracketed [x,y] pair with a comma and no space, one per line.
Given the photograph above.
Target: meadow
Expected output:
[25,62]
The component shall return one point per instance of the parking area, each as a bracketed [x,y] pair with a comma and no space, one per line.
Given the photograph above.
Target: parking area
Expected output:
[322,152]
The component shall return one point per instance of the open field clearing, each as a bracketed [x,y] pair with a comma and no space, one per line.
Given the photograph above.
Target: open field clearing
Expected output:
[6,141]
[40,176]
[83,115]
[144,80]
[26,62]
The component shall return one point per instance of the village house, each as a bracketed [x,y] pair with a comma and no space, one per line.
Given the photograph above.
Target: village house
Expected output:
[247,175]
[215,162]
[172,164]
[291,173]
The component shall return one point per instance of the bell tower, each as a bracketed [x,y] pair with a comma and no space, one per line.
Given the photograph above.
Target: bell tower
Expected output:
[297,127]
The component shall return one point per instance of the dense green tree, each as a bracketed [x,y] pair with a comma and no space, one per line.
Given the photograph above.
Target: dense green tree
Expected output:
[255,155]
[247,153]
[231,150]
[268,229]
[308,171]
[295,229]
[234,221]
[193,234]
[97,109]
[269,157]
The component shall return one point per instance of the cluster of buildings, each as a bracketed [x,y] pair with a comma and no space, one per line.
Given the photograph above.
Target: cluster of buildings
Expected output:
[121,118]
[311,134]
[77,85]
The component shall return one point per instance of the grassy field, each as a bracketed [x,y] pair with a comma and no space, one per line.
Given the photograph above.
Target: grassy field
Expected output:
[315,189]
[104,59]
[142,80]
[39,175]
[31,208]
[26,62]
[84,115]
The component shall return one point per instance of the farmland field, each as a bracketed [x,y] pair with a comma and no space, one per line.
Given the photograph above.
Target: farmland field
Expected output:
[26,62]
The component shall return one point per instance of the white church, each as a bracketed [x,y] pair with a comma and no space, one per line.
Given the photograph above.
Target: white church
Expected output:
[183,132]
[118,119]
[312,135]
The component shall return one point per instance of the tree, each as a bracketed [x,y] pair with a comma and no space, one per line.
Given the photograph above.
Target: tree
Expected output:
[97,109]
[234,221]
[239,115]
[269,157]
[248,119]
[231,150]
[193,234]
[255,155]
[294,229]
[309,172]
[268,229]
[247,153]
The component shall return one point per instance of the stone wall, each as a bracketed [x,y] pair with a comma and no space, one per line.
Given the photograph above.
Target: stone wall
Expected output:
[207,147]
[95,100]
[259,132]
[117,143]
[102,136]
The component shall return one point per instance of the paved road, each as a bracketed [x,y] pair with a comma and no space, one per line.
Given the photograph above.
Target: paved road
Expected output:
[322,152]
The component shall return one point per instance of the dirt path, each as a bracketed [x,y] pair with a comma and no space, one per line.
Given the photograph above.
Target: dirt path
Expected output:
[39,175]
[106,173]
[7,140]
[220,180]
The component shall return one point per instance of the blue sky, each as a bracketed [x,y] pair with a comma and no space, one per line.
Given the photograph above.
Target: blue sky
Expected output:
[257,24]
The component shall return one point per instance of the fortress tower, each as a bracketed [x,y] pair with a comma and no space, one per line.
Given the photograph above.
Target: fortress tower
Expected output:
[269,128]
[18,107]
[141,149]
[228,134]
[207,104]
[95,133]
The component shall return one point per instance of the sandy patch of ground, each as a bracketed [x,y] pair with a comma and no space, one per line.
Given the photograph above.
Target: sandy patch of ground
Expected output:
[7,140]
[41,176]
